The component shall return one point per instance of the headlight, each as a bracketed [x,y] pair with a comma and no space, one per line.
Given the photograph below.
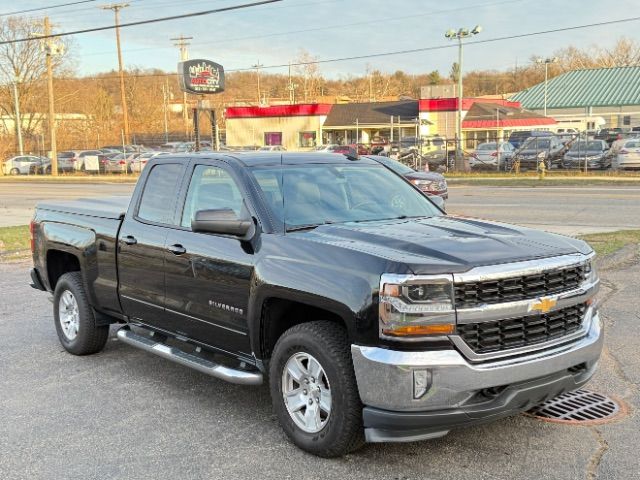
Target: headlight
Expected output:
[416,307]
[590,272]
[541,155]
[425,184]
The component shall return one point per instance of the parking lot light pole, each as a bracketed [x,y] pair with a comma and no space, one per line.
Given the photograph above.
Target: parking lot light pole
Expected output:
[546,62]
[460,35]
[16,101]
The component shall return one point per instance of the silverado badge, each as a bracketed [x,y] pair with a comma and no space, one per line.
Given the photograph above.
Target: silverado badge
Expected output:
[543,305]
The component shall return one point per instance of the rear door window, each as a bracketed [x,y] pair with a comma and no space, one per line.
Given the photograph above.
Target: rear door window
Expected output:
[158,201]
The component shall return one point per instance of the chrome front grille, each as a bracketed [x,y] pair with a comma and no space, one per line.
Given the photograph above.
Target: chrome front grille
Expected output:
[509,289]
[495,336]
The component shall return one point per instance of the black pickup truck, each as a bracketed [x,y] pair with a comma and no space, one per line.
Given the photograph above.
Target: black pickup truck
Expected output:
[373,314]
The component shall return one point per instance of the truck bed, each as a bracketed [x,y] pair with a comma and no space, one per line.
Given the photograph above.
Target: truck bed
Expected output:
[108,207]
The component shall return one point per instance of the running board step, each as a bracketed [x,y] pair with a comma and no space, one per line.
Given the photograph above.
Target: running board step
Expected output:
[174,354]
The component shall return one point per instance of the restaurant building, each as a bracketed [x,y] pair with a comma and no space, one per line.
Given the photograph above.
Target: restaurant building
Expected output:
[304,126]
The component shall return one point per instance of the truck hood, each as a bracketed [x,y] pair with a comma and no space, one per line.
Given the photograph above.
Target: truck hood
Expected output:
[444,244]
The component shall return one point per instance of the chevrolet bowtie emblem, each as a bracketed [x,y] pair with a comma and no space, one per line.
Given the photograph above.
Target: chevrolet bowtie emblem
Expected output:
[543,305]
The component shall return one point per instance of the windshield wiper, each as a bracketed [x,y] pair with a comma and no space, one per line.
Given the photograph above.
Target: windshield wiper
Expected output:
[309,226]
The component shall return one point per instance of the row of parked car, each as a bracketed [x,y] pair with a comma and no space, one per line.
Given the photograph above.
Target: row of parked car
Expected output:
[130,159]
[559,151]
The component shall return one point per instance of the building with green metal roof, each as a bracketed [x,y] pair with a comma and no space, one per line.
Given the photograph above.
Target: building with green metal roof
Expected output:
[593,98]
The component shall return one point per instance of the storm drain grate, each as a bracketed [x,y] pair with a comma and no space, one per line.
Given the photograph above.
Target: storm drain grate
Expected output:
[579,406]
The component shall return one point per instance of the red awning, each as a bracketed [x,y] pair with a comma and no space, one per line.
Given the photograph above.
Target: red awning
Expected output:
[300,110]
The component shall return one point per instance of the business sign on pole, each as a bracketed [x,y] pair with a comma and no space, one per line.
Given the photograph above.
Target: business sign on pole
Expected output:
[201,76]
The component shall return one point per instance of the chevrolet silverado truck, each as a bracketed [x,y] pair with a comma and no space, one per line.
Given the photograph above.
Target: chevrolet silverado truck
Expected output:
[371,314]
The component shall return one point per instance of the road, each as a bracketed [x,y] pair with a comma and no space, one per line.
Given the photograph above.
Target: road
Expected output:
[568,210]
[126,414]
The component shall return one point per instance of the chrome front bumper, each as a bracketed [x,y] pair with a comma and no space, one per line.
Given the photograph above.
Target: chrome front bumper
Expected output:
[444,382]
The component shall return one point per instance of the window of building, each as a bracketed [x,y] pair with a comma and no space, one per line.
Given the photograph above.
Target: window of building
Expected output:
[307,139]
[160,191]
[273,138]
[626,120]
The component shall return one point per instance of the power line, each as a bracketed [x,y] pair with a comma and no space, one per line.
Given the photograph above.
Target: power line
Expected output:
[441,47]
[146,22]
[325,27]
[396,52]
[29,10]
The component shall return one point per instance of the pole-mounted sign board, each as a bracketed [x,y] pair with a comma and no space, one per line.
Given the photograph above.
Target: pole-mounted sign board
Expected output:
[201,76]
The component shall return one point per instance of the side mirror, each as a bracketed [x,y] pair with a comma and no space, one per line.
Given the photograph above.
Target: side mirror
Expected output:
[438,201]
[221,221]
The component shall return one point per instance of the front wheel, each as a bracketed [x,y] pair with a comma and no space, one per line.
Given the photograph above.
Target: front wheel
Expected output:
[314,391]
[14,171]
[75,323]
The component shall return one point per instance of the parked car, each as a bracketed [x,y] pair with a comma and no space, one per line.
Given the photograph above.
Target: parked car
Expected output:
[272,148]
[349,150]
[115,163]
[363,149]
[595,153]
[78,158]
[378,144]
[174,147]
[547,149]
[518,137]
[138,163]
[492,155]
[326,148]
[371,314]
[628,157]
[431,183]
[610,135]
[21,164]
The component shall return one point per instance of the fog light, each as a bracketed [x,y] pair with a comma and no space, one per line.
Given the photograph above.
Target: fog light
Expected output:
[421,383]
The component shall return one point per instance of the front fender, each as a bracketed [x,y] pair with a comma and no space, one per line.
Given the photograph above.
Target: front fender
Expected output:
[341,291]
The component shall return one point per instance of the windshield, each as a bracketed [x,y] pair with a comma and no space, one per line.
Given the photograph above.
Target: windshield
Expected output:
[537,143]
[311,195]
[582,145]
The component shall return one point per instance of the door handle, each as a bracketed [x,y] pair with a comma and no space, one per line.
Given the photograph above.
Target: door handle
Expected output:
[129,240]
[177,249]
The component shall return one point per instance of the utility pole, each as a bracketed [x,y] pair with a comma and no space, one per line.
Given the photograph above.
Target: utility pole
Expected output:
[460,35]
[51,49]
[165,95]
[258,66]
[16,103]
[182,43]
[116,7]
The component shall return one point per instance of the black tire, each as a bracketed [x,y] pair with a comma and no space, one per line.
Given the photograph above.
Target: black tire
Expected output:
[14,171]
[90,338]
[326,342]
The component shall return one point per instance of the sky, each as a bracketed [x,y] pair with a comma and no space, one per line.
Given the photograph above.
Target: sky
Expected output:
[275,34]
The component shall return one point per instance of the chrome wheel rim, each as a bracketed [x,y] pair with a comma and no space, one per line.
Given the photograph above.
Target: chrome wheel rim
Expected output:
[306,392]
[69,315]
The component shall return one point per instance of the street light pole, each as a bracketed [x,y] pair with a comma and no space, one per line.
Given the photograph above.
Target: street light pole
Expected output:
[546,62]
[258,66]
[460,35]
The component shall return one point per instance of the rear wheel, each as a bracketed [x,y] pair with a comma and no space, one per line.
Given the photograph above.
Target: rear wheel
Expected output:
[75,323]
[314,391]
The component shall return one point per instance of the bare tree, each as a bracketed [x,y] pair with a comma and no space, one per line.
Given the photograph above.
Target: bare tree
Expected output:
[24,63]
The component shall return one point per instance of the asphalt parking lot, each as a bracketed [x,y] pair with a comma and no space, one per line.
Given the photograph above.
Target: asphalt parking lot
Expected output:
[127,414]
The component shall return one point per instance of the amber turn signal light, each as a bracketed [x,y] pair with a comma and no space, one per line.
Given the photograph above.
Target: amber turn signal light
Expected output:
[418,330]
